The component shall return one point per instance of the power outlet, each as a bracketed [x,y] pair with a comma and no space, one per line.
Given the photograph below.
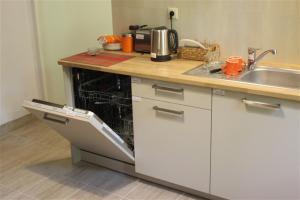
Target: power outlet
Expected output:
[175,10]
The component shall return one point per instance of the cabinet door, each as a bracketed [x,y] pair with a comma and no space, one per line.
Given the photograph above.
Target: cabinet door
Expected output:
[255,147]
[172,142]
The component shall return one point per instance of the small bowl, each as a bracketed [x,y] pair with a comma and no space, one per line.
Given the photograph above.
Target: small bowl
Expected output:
[112,46]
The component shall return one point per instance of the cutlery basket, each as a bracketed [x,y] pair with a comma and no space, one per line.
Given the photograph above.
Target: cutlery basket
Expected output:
[212,53]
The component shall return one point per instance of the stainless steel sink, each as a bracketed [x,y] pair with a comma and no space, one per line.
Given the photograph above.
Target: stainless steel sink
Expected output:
[260,75]
[272,77]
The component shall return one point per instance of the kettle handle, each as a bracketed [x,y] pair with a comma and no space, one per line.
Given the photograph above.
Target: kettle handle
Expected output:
[173,40]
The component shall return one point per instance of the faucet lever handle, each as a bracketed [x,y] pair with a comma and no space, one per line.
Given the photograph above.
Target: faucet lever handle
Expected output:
[251,57]
[252,50]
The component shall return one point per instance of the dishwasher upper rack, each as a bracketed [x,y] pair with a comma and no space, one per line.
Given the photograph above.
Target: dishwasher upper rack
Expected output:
[88,91]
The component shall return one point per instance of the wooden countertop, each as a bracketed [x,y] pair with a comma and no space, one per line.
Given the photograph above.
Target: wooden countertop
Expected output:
[172,71]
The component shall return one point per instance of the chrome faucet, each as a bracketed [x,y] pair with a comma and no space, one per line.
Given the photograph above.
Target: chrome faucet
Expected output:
[252,59]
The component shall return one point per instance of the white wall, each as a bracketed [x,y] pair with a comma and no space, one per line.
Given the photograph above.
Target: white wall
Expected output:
[34,36]
[19,74]
[235,24]
[65,28]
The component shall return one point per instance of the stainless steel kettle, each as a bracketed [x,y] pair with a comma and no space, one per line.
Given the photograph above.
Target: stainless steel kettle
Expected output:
[163,42]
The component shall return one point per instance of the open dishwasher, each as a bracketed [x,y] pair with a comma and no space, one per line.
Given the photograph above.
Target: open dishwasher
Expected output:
[101,122]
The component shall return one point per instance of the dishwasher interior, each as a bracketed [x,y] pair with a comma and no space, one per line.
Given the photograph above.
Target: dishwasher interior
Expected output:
[109,97]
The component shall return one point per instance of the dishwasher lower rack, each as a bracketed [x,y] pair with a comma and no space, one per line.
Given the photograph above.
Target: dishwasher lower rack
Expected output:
[109,97]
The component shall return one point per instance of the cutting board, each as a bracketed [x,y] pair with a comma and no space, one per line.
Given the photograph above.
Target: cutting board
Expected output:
[102,59]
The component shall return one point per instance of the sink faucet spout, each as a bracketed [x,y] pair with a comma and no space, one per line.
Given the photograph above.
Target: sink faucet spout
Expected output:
[252,59]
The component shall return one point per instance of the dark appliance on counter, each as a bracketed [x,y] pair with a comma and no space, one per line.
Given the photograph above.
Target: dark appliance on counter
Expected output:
[163,42]
[142,38]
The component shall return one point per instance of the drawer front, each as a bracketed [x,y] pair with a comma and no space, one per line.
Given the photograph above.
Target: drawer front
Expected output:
[172,143]
[170,92]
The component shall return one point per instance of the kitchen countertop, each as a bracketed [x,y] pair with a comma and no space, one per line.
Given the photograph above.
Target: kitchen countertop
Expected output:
[172,71]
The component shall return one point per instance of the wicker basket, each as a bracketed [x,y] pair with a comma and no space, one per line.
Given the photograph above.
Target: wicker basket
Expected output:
[212,53]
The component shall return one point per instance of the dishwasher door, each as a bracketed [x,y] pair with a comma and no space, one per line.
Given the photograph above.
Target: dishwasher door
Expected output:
[82,128]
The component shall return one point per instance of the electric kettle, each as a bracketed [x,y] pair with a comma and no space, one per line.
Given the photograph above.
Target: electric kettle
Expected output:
[163,42]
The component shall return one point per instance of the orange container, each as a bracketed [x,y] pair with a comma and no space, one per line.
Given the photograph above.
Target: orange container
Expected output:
[234,65]
[239,59]
[127,43]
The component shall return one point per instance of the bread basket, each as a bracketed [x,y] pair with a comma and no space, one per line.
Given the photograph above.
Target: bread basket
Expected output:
[206,52]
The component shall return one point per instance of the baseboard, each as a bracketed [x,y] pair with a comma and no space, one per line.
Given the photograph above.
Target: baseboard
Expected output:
[107,162]
[15,124]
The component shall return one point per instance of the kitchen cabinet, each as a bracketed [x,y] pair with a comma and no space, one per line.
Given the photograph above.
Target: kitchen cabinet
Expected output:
[255,147]
[172,142]
[229,144]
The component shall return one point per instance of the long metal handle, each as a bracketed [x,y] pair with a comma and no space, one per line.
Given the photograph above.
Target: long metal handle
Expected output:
[159,87]
[47,116]
[168,110]
[261,104]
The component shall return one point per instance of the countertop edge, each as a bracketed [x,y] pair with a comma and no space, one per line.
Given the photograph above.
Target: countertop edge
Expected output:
[270,91]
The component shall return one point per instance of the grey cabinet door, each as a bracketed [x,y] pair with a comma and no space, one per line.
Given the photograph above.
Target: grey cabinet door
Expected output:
[255,147]
[83,129]
[172,143]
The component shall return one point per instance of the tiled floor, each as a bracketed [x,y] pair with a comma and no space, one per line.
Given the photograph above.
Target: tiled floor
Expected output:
[35,164]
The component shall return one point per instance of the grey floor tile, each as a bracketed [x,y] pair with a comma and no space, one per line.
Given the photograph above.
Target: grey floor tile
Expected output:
[21,179]
[92,193]
[189,197]
[147,191]
[107,180]
[10,194]
[54,188]
[10,142]
[56,166]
